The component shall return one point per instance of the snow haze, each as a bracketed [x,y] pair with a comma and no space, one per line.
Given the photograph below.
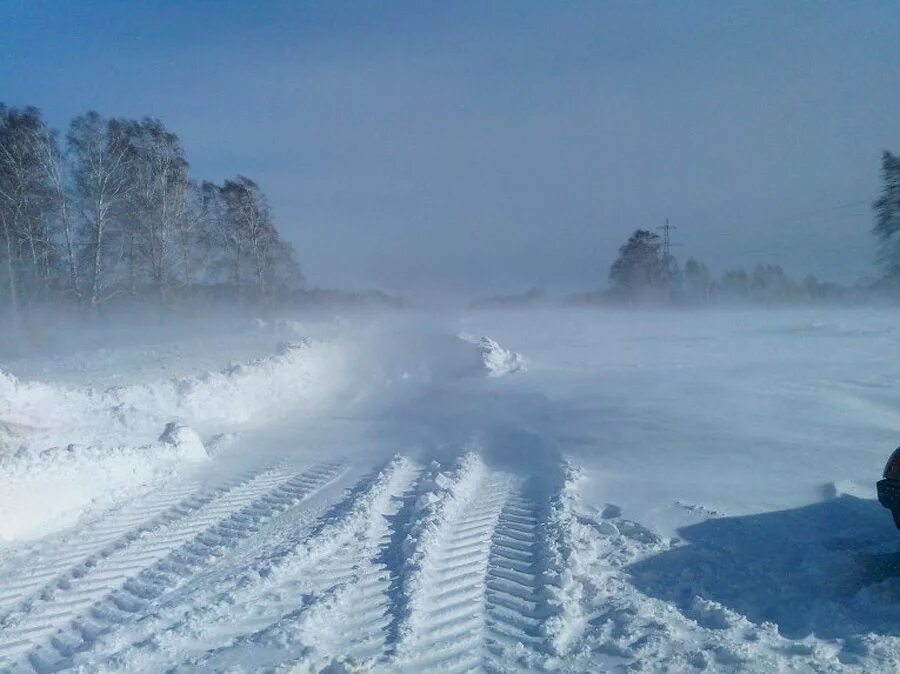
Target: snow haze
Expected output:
[454,145]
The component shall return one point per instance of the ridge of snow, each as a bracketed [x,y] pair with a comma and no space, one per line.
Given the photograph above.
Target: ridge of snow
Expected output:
[363,512]
[562,564]
[442,495]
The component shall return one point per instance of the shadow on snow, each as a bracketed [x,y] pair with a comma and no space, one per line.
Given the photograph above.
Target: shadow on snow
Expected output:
[831,569]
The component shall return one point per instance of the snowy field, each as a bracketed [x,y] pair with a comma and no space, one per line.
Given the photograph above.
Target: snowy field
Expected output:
[540,490]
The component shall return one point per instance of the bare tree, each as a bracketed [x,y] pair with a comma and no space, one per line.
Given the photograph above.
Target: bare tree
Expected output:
[249,232]
[26,202]
[194,242]
[102,185]
[54,166]
[157,212]
[117,210]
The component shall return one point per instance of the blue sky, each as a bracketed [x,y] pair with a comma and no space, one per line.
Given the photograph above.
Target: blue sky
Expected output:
[487,147]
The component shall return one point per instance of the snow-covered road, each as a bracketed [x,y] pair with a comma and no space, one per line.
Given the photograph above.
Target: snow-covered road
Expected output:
[447,505]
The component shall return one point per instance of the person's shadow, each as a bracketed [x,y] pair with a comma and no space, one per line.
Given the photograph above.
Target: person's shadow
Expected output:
[831,569]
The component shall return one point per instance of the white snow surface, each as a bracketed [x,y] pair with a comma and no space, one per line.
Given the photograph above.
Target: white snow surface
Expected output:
[658,491]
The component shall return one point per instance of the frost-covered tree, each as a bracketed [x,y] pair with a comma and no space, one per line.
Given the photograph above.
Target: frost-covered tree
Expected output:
[887,218]
[695,281]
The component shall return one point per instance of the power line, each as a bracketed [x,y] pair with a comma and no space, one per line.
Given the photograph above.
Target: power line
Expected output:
[666,228]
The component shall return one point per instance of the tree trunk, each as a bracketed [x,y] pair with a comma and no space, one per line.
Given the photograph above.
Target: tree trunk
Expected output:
[97,263]
[11,274]
[70,248]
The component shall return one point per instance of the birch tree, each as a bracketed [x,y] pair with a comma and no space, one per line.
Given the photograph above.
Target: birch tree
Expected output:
[26,204]
[102,185]
[249,232]
[157,214]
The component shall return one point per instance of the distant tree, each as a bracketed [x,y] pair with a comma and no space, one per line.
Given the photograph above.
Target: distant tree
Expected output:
[696,283]
[54,166]
[887,218]
[735,284]
[670,274]
[816,290]
[287,277]
[640,269]
[769,283]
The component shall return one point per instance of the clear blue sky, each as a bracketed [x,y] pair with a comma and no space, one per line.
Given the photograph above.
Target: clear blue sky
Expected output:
[500,145]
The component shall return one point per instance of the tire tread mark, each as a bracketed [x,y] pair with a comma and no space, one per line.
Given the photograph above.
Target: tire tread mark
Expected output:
[157,556]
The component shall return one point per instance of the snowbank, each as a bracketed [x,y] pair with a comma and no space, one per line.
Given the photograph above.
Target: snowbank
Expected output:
[90,447]
[298,375]
[51,489]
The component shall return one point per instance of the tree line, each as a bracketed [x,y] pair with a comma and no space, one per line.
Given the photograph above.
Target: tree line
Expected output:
[109,213]
[644,271]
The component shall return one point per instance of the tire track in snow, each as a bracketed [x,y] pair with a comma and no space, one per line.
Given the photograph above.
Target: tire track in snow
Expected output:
[359,583]
[514,594]
[448,618]
[361,599]
[476,593]
[29,576]
[96,596]
[342,575]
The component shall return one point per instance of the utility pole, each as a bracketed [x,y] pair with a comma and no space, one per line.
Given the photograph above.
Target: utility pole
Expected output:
[667,244]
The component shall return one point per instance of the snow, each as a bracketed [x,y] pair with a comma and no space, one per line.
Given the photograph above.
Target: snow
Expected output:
[95,446]
[657,491]
[497,360]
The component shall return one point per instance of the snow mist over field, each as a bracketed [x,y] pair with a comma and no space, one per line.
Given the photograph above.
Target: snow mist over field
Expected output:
[570,489]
